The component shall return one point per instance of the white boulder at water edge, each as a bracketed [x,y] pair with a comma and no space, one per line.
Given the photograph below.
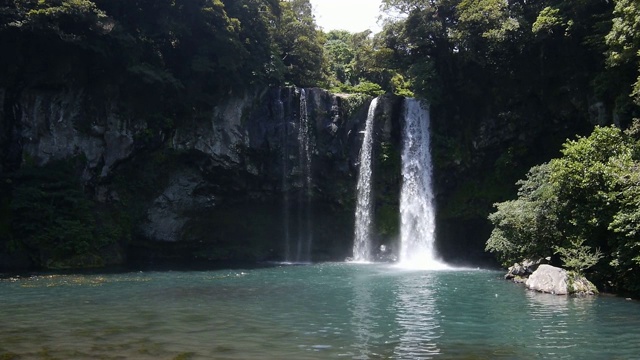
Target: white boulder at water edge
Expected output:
[554,280]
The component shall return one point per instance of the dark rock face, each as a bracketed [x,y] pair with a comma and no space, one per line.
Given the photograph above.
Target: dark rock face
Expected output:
[518,271]
[59,125]
[229,185]
[480,152]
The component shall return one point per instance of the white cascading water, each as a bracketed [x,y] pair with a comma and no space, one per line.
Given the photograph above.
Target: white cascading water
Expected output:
[417,210]
[305,237]
[364,211]
[284,137]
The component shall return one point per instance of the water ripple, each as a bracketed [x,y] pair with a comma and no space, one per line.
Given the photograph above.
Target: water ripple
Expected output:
[327,311]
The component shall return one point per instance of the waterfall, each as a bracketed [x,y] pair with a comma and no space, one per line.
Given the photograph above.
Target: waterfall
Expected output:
[364,210]
[296,177]
[417,210]
[305,237]
[284,142]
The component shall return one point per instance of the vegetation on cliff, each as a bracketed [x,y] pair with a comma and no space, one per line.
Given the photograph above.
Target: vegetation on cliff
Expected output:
[161,63]
[581,209]
[53,222]
[508,83]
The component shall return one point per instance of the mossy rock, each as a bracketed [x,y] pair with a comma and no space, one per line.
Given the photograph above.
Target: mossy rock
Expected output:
[579,285]
[9,356]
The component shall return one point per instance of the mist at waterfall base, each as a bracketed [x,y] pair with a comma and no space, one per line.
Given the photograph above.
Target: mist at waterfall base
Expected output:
[322,311]
[417,209]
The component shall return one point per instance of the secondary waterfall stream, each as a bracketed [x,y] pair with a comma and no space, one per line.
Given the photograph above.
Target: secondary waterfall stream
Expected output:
[364,210]
[417,210]
[305,237]
[284,137]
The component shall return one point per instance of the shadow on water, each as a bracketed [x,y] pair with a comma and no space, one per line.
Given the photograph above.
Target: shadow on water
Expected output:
[165,266]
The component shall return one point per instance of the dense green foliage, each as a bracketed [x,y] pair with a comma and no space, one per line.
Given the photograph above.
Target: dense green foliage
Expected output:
[54,222]
[300,45]
[624,43]
[171,56]
[506,52]
[583,206]
[363,63]
[508,83]
[181,55]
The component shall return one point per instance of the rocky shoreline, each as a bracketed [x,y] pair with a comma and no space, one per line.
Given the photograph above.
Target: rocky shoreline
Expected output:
[539,276]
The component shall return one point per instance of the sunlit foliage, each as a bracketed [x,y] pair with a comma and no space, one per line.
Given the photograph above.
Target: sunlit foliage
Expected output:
[582,207]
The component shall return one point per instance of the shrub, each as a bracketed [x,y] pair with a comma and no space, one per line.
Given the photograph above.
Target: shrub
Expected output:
[587,199]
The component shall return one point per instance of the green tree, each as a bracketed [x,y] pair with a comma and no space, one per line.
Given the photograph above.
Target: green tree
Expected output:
[300,44]
[54,220]
[71,20]
[482,26]
[362,63]
[578,257]
[528,227]
[624,53]
[340,55]
[582,206]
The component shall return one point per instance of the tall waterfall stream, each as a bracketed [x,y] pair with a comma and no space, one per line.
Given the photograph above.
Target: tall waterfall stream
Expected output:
[305,237]
[417,208]
[364,209]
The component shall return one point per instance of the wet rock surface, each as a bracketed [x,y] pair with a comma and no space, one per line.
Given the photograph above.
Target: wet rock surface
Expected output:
[228,184]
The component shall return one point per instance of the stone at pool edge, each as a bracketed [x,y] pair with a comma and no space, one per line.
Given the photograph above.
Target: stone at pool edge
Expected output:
[554,280]
[549,279]
[520,272]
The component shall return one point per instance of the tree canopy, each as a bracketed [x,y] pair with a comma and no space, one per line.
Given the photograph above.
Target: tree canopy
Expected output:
[578,208]
[170,55]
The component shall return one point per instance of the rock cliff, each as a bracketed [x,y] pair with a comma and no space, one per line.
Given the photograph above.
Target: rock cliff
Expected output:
[229,184]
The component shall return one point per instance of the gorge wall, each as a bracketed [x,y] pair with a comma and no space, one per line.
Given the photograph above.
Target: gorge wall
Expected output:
[85,185]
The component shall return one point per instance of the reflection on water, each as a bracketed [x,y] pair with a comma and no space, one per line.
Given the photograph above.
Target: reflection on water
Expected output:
[559,322]
[417,317]
[362,321]
[328,311]
[549,321]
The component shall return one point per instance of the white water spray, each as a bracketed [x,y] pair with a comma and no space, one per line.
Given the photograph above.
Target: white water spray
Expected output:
[417,210]
[364,210]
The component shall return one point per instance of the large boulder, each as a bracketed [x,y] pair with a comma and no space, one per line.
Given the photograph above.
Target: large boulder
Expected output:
[549,279]
[554,280]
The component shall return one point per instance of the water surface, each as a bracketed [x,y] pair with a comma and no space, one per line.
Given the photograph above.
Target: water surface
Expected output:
[325,311]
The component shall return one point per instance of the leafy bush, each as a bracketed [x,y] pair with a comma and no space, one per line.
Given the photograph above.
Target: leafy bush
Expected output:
[527,227]
[576,206]
[54,221]
[369,88]
[578,257]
